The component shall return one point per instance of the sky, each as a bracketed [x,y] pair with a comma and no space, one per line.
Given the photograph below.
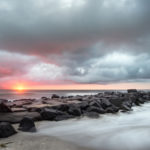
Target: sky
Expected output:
[75,44]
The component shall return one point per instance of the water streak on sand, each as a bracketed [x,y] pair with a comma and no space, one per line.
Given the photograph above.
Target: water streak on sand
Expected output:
[124,131]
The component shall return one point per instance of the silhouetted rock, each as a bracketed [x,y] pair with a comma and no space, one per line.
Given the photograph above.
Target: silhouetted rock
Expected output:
[50,114]
[116,101]
[96,109]
[83,106]
[105,103]
[95,103]
[132,91]
[27,125]
[62,107]
[74,110]
[55,96]
[6,130]
[4,107]
[112,109]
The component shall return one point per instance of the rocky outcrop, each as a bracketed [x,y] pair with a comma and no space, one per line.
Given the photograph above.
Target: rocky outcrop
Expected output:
[61,108]
[6,130]
[132,91]
[55,96]
[27,125]
[3,107]
[16,117]
[51,114]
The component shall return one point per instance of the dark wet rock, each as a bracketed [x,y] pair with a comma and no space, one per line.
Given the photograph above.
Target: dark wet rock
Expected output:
[27,125]
[116,101]
[55,96]
[4,107]
[16,117]
[50,114]
[74,110]
[70,96]
[141,100]
[22,102]
[109,93]
[6,130]
[83,105]
[44,98]
[125,108]
[78,97]
[62,107]
[95,103]
[132,91]
[96,109]
[112,109]
[105,103]
[4,100]
[63,117]
[92,114]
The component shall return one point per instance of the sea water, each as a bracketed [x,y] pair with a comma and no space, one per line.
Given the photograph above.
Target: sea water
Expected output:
[121,131]
[13,95]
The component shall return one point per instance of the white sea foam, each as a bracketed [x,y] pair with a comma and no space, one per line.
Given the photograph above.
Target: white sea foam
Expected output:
[122,131]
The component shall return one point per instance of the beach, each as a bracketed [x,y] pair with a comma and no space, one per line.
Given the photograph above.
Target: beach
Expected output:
[30,141]
[102,121]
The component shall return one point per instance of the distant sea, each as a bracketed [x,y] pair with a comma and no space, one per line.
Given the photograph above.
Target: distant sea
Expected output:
[14,95]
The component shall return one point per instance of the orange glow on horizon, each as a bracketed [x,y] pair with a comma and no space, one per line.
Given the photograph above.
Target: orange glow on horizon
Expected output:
[23,86]
[19,87]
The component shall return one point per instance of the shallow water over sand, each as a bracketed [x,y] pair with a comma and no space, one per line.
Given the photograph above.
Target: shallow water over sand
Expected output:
[122,131]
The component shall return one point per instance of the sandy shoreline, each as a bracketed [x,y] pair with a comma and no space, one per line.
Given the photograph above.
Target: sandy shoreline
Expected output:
[33,141]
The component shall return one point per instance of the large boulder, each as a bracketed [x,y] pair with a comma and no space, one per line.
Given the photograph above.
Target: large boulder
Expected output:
[132,91]
[50,114]
[112,109]
[94,103]
[6,130]
[96,109]
[74,110]
[62,107]
[4,107]
[84,105]
[105,103]
[55,96]
[116,101]
[27,125]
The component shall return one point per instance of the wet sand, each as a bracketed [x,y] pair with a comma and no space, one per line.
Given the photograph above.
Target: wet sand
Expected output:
[24,141]
[34,141]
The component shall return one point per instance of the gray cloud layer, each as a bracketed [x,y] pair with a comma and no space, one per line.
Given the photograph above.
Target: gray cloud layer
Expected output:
[85,41]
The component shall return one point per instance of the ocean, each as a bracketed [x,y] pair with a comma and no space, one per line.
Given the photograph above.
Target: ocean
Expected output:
[15,95]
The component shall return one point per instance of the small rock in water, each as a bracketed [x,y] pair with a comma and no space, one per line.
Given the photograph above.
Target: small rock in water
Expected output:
[132,91]
[27,125]
[4,107]
[55,96]
[6,130]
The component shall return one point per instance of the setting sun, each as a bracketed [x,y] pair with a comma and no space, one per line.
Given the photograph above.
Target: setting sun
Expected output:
[19,87]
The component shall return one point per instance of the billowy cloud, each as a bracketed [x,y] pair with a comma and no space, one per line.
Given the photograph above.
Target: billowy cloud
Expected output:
[82,41]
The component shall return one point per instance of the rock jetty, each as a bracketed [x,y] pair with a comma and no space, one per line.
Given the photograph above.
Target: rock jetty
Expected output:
[56,108]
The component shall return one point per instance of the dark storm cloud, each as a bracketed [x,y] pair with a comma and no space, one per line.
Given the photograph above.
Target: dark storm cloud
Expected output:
[33,26]
[87,41]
